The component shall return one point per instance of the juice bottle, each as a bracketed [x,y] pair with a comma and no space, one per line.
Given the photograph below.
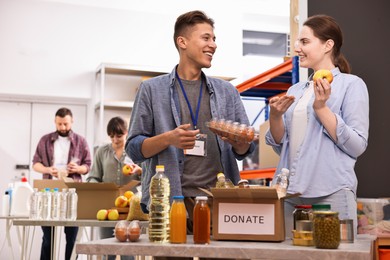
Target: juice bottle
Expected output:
[201,228]
[178,221]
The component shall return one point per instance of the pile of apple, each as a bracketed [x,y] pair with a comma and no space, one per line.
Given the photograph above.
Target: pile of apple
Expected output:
[122,201]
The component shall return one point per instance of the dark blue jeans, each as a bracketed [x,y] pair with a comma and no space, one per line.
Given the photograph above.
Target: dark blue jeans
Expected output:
[70,234]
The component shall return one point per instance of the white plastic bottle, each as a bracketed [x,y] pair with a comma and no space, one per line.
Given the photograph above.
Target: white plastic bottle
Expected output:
[34,204]
[46,204]
[55,204]
[20,205]
[281,183]
[72,204]
[63,204]
[5,204]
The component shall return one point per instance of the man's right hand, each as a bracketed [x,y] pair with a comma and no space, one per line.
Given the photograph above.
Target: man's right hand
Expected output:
[52,171]
[183,138]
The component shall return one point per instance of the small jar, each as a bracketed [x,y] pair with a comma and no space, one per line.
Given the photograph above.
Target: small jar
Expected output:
[243,183]
[302,212]
[326,229]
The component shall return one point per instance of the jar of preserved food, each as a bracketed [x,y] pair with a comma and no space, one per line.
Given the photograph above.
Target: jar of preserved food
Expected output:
[201,228]
[326,229]
[321,207]
[302,212]
[243,183]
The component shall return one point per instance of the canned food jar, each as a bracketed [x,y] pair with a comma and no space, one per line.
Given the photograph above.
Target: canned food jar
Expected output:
[326,229]
[302,212]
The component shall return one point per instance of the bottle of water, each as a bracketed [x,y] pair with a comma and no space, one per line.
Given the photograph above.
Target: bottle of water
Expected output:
[63,204]
[34,204]
[55,205]
[46,204]
[159,228]
[223,182]
[72,205]
[282,182]
[6,204]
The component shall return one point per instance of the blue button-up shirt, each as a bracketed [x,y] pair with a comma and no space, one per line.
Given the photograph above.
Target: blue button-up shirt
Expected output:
[156,110]
[322,165]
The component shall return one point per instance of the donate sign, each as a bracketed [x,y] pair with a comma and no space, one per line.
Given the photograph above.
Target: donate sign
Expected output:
[246,218]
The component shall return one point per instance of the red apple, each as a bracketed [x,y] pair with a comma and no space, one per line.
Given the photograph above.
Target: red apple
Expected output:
[121,201]
[127,169]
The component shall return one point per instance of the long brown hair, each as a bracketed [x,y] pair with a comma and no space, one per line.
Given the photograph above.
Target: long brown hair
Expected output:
[324,28]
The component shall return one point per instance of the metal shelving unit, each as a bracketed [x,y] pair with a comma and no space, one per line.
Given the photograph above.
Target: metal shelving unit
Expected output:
[274,81]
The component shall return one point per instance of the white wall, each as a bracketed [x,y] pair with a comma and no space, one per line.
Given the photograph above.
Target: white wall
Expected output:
[53,47]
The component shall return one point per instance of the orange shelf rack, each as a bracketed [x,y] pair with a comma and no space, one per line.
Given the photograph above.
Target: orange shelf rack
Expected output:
[273,81]
[258,174]
[268,84]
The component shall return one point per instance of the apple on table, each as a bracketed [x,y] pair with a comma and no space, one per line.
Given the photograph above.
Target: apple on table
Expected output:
[113,214]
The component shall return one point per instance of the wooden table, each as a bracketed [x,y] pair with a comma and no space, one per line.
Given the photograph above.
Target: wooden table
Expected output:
[361,249]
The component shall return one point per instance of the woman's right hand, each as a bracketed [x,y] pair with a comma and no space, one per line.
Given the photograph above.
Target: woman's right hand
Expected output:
[279,105]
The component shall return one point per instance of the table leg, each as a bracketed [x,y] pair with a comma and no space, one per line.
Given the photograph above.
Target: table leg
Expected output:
[22,257]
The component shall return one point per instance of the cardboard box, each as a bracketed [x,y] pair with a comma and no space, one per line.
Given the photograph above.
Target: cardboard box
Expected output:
[248,214]
[268,158]
[91,196]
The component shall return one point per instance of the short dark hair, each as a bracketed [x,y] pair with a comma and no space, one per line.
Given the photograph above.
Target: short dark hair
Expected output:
[188,20]
[116,126]
[63,112]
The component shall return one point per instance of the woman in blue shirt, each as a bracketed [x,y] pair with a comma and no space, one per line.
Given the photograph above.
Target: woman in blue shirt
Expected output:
[319,129]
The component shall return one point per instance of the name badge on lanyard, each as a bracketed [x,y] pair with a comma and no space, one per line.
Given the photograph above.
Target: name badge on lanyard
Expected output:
[200,148]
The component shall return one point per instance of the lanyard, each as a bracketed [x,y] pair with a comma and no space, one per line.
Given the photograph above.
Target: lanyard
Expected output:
[193,117]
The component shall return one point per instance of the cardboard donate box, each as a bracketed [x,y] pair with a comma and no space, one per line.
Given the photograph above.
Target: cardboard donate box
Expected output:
[91,196]
[248,214]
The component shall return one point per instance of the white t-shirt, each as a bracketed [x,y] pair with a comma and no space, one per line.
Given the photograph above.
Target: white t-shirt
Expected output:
[299,122]
[61,152]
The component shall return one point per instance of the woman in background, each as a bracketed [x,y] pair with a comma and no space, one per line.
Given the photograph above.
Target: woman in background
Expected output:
[109,162]
[319,129]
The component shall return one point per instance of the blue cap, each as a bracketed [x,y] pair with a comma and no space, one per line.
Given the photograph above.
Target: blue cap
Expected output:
[178,197]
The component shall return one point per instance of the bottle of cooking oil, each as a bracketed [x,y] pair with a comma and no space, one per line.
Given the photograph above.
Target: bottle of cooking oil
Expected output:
[223,182]
[159,228]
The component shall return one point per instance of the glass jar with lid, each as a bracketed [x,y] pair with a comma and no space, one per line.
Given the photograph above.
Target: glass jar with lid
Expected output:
[321,207]
[302,213]
[326,229]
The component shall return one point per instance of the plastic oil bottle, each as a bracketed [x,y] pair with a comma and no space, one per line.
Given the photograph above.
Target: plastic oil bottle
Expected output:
[223,182]
[178,221]
[159,228]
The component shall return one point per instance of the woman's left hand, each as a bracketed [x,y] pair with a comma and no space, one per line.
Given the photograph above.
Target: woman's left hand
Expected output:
[322,91]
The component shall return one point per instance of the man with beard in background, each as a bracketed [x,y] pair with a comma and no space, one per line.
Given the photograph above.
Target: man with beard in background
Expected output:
[60,153]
